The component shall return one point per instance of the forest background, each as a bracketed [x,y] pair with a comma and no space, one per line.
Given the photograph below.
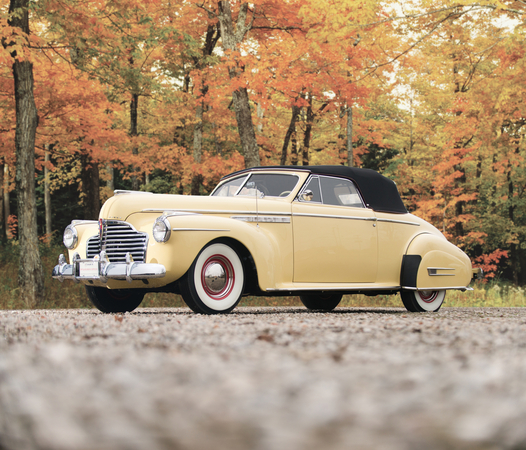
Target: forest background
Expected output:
[169,96]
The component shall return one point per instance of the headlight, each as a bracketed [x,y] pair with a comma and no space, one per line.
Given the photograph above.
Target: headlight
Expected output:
[161,229]
[70,238]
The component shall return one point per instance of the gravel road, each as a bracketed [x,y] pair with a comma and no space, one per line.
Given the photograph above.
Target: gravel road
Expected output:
[263,379]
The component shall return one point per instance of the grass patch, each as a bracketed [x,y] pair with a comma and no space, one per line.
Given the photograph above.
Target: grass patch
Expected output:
[70,295]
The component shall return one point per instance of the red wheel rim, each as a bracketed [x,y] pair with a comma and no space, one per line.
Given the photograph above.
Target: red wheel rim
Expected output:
[229,274]
[428,296]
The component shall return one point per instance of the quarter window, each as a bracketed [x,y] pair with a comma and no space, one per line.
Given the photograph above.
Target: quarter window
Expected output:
[340,192]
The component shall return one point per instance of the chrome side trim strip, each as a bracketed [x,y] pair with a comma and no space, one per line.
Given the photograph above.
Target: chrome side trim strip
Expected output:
[262,219]
[433,272]
[215,211]
[199,229]
[337,288]
[402,222]
[327,216]
[123,191]
[442,288]
[84,222]
[167,212]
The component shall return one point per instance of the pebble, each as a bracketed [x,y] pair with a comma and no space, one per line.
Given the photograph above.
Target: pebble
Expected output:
[263,379]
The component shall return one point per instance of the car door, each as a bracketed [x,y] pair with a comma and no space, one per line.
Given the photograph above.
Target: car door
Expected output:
[335,236]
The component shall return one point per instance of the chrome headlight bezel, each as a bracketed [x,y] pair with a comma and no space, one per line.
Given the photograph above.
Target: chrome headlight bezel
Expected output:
[161,229]
[70,237]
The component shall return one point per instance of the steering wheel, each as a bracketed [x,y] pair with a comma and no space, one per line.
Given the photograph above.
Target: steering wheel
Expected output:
[285,193]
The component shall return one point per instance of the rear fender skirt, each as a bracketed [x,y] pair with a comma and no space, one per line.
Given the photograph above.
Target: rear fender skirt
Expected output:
[408,275]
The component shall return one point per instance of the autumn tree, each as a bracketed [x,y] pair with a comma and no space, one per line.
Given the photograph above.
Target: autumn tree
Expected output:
[30,273]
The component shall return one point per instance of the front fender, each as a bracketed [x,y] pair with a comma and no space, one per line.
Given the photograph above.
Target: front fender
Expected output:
[431,262]
[270,244]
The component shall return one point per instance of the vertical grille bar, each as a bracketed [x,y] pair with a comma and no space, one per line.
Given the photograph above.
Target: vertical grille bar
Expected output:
[119,238]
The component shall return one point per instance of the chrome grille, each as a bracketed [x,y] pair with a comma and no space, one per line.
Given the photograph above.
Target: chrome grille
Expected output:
[118,239]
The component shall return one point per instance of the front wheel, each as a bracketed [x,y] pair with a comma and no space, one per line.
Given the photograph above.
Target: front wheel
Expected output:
[423,301]
[214,283]
[114,300]
[321,302]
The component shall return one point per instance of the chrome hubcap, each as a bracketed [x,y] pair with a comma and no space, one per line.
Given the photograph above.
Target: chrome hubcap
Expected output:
[215,277]
[428,296]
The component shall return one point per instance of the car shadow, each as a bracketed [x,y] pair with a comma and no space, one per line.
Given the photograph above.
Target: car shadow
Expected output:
[273,310]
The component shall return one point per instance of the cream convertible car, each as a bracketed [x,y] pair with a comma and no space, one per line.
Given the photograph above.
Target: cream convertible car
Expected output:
[318,232]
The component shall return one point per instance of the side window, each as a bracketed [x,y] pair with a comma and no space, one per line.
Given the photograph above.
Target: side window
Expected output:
[339,192]
[312,185]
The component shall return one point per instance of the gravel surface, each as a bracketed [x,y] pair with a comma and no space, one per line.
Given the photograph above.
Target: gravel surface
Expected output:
[263,378]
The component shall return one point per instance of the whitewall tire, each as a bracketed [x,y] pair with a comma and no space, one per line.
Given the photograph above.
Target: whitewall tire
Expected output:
[423,301]
[214,283]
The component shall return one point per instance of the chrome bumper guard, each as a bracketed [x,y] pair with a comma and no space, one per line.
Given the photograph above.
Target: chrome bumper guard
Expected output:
[478,273]
[101,269]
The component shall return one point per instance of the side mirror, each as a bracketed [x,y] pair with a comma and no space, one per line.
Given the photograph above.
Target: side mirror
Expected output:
[307,195]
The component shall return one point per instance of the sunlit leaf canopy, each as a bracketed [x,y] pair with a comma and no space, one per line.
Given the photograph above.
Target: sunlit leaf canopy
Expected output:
[145,90]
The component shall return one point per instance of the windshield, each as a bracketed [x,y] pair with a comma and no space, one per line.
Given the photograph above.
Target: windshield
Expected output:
[262,184]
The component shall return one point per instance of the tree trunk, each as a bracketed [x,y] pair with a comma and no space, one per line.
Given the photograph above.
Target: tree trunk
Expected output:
[294,148]
[217,143]
[350,155]
[111,177]
[195,187]
[2,220]
[308,134]
[231,40]
[198,134]
[514,248]
[290,131]
[30,273]
[134,107]
[460,182]
[261,114]
[47,199]
[7,205]
[90,187]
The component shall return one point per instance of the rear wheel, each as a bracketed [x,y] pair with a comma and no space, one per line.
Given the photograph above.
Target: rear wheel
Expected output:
[423,301]
[114,300]
[214,283]
[321,302]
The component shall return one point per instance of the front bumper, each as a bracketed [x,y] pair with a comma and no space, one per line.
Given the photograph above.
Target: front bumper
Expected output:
[101,269]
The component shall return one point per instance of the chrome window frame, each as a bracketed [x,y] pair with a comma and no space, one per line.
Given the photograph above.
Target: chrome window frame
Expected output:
[304,188]
[244,178]
[307,181]
[247,179]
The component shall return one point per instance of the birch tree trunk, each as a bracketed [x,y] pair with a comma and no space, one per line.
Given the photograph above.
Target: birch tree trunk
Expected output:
[30,273]
[231,40]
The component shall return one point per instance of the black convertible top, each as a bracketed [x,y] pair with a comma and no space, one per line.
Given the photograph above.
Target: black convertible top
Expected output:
[379,193]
